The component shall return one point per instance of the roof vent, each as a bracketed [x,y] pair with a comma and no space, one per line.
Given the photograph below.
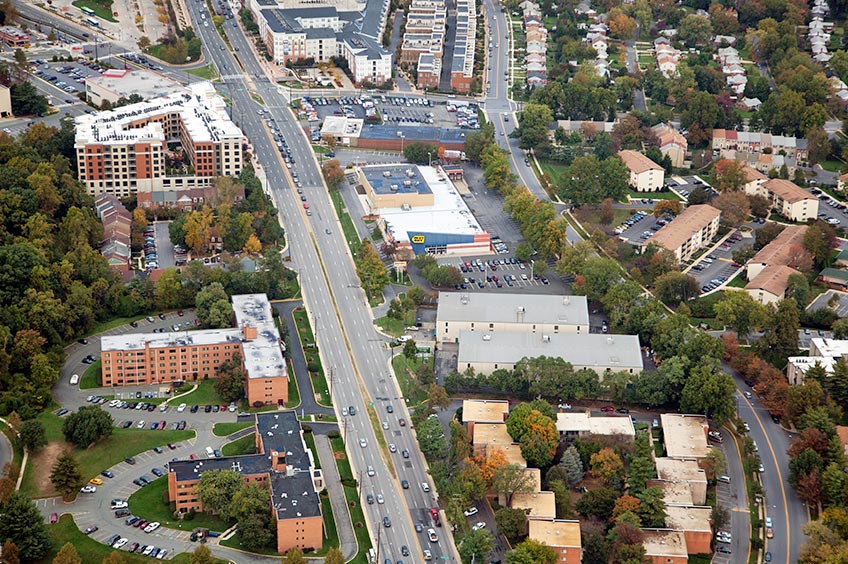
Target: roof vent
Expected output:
[487,337]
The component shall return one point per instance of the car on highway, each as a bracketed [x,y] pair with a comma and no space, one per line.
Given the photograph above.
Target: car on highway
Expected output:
[387,522]
[351,410]
[363,443]
[769,533]
[767,557]
[721,549]
[768,522]
[402,422]
[431,534]
[479,525]
[371,471]
[404,550]
[404,484]
[405,453]
[380,499]
[392,447]
[370,499]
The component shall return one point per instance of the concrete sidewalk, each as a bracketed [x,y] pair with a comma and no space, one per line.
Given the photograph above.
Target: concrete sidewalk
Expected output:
[347,538]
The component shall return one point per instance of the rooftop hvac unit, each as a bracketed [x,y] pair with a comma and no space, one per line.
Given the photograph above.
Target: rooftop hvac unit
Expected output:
[487,337]
[546,338]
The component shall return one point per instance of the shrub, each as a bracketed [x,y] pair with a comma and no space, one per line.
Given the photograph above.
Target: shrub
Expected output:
[334,434]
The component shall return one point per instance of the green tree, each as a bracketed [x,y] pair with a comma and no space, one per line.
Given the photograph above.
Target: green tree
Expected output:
[371,270]
[533,126]
[531,552]
[334,556]
[230,379]
[26,100]
[437,397]
[32,435]
[250,508]
[819,241]
[476,141]
[410,349]
[201,555]
[217,489]
[598,503]
[695,30]
[511,479]
[67,555]
[740,311]
[676,287]
[511,522]
[87,425]
[572,465]
[475,546]
[431,438]
[212,306]
[590,181]
[709,393]
[781,337]
[294,556]
[420,153]
[652,507]
[66,475]
[22,523]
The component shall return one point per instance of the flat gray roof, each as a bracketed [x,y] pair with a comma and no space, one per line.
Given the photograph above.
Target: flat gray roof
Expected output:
[513,308]
[590,350]
[263,357]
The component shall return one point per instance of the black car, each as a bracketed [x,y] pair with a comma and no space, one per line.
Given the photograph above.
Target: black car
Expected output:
[194,408]
[121,513]
[127,424]
[182,425]
[390,409]
[158,473]
[107,474]
[207,409]
[129,460]
[139,483]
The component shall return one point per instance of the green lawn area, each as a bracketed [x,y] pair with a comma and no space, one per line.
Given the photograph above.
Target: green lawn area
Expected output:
[91,377]
[294,392]
[148,503]
[204,394]
[96,458]
[353,501]
[91,551]
[310,442]
[103,8]
[405,372]
[207,71]
[351,236]
[111,324]
[395,327]
[666,195]
[320,149]
[226,429]
[737,281]
[244,445]
[313,360]
[832,166]
[554,170]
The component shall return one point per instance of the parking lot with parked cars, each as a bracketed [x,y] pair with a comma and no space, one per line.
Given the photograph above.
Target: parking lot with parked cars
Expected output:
[69,77]
[838,213]
[685,185]
[494,273]
[640,227]
[398,110]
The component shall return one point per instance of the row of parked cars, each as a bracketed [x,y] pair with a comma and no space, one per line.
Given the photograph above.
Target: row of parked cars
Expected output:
[151,257]
[117,541]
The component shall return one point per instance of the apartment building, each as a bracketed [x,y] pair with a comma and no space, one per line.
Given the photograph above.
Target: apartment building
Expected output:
[786,198]
[672,143]
[424,40]
[771,284]
[756,142]
[300,33]
[367,60]
[528,313]
[645,174]
[780,251]
[116,246]
[180,356]
[561,535]
[685,436]
[684,472]
[462,62]
[429,71]
[122,151]
[664,546]
[689,232]
[573,424]
[283,463]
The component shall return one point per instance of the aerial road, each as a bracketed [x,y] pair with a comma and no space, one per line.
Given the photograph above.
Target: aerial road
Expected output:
[354,354]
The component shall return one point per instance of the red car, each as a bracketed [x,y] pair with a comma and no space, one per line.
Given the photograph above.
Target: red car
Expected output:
[54,517]
[306,206]
[607,409]
[180,313]
[402,422]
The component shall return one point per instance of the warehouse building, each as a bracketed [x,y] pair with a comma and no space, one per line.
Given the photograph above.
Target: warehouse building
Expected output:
[419,208]
[486,352]
[528,313]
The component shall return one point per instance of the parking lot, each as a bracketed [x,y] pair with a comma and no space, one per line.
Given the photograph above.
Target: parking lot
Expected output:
[502,274]
[70,77]
[684,185]
[640,227]
[398,110]
[838,212]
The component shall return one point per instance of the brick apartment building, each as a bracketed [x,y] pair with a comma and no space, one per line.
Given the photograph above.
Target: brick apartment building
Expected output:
[122,151]
[156,358]
[283,463]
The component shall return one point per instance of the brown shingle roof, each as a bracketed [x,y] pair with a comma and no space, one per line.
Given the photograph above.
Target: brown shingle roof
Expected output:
[637,162]
[692,220]
[777,251]
[752,174]
[789,191]
[773,279]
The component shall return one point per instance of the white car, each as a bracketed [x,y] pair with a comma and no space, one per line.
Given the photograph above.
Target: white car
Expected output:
[392,447]
[89,489]
[768,522]
[181,408]
[425,486]
[344,412]
[363,443]
[470,512]
[118,504]
[386,425]
[161,555]
[431,534]
[151,527]
[478,526]
[371,471]
[428,555]
[148,550]
[140,424]
[120,542]
[380,499]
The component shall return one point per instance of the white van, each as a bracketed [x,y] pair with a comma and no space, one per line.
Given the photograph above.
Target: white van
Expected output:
[209,452]
[74,379]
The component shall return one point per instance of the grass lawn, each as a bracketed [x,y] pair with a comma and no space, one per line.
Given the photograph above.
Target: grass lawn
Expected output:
[226,429]
[148,503]
[91,377]
[207,71]
[351,236]
[309,438]
[395,327]
[737,281]
[310,351]
[666,195]
[204,394]
[294,392]
[103,8]
[244,445]
[405,372]
[320,149]
[111,324]
[66,531]
[96,458]
[832,166]
[554,170]
[353,501]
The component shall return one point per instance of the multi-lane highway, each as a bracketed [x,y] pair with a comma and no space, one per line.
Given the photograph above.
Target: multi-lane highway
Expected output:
[352,350]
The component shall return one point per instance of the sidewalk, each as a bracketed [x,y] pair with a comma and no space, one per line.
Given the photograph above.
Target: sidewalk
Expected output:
[347,538]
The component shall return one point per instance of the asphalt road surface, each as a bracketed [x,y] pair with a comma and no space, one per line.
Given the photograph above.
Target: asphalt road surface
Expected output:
[333,299]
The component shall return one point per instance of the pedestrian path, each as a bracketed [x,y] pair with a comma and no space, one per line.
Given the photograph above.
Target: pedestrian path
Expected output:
[347,538]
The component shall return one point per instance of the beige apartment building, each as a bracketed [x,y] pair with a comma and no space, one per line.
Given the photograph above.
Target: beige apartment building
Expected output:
[771,284]
[645,174]
[528,313]
[689,232]
[561,535]
[122,151]
[786,198]
[685,436]
[778,252]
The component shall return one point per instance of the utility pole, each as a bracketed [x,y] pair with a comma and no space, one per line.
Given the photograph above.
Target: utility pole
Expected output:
[379,530]
[360,483]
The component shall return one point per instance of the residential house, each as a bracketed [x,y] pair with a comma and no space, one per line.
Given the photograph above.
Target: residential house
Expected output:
[645,174]
[672,143]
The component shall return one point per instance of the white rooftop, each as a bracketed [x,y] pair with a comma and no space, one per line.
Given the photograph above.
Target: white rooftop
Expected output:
[582,422]
[201,109]
[263,357]
[448,214]
[513,308]
[592,350]
[830,347]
